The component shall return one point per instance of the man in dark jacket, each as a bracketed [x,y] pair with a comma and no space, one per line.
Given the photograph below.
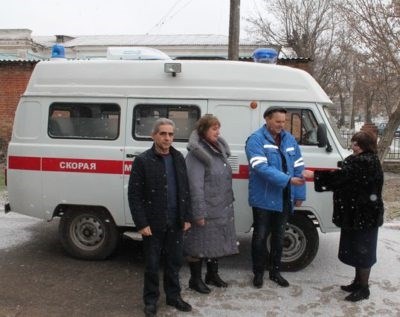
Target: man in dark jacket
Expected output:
[159,201]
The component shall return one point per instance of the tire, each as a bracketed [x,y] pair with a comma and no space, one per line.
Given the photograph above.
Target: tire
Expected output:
[88,234]
[300,244]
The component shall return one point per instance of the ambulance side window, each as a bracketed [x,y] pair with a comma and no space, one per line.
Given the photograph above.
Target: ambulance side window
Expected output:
[94,121]
[303,125]
[184,117]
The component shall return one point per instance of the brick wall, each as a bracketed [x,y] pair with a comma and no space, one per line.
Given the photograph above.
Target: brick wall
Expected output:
[303,64]
[14,76]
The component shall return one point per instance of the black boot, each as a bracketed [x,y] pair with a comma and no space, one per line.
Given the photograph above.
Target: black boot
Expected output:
[362,292]
[258,280]
[351,287]
[355,285]
[274,272]
[212,276]
[195,282]
[276,277]
[275,268]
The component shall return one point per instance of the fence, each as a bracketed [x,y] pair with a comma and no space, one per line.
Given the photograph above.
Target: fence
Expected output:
[394,149]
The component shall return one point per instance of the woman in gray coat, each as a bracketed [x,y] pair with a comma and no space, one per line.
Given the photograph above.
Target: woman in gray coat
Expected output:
[212,234]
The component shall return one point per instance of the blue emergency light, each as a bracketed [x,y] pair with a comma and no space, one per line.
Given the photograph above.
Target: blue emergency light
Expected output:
[57,51]
[265,55]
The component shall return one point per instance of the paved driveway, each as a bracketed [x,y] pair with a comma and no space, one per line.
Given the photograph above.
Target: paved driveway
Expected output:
[38,279]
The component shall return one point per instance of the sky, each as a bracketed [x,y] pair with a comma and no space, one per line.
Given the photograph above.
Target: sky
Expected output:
[102,17]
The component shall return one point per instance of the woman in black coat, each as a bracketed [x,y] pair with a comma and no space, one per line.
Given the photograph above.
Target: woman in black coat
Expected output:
[358,208]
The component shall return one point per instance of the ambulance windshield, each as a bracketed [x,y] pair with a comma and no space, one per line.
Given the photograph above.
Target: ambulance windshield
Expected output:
[333,124]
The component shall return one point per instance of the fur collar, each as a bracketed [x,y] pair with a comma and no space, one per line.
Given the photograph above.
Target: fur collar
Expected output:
[202,151]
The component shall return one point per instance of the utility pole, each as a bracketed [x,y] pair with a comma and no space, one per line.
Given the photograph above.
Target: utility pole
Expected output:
[234,30]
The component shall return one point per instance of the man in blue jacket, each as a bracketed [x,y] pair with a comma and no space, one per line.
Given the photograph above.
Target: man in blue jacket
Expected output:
[276,185]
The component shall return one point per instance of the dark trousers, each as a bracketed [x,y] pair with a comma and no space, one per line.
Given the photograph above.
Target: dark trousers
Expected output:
[266,222]
[169,241]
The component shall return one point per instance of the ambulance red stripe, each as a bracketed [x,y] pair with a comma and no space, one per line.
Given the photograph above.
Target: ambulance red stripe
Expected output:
[55,164]
[65,165]
[24,163]
[70,165]
[82,165]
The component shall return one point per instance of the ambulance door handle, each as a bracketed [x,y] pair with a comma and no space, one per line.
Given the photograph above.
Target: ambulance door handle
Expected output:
[130,155]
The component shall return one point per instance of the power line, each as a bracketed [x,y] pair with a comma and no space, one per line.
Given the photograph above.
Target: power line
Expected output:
[166,18]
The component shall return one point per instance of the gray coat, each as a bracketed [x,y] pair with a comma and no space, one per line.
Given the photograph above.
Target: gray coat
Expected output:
[210,182]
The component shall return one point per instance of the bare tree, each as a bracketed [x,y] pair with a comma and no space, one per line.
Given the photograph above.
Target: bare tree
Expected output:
[338,75]
[313,29]
[376,26]
[306,26]
[354,45]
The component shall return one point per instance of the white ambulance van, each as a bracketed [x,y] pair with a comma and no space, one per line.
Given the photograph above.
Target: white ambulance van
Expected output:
[80,124]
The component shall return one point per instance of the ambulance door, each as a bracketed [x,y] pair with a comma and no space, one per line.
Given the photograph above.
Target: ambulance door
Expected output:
[82,159]
[238,120]
[142,113]
[24,179]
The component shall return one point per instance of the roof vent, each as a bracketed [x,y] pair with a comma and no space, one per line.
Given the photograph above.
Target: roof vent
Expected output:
[136,53]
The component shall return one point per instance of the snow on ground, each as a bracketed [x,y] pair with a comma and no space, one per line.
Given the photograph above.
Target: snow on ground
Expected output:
[314,291]
[12,228]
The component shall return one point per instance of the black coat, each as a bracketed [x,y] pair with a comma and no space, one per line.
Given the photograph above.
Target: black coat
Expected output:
[147,190]
[357,191]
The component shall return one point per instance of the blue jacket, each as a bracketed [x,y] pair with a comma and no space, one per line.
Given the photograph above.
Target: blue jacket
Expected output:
[267,179]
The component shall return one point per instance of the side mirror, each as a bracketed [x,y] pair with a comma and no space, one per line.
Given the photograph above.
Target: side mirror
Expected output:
[322,137]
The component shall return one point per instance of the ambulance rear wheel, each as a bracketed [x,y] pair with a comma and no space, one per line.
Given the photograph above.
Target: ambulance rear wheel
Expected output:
[88,234]
[300,243]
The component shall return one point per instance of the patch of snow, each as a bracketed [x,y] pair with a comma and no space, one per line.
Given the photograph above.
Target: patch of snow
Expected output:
[313,291]
[12,228]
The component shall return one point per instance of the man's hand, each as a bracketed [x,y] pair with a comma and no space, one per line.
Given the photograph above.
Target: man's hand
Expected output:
[297,181]
[298,203]
[200,222]
[146,231]
[308,174]
[186,226]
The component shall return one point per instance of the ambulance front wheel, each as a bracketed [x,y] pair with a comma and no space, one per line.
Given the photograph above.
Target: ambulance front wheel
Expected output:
[88,234]
[300,243]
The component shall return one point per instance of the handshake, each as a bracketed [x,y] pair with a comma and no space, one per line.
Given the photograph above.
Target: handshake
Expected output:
[308,174]
[297,181]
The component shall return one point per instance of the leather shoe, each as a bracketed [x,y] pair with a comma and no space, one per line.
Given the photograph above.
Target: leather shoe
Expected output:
[179,304]
[258,280]
[351,287]
[278,279]
[150,310]
[361,293]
